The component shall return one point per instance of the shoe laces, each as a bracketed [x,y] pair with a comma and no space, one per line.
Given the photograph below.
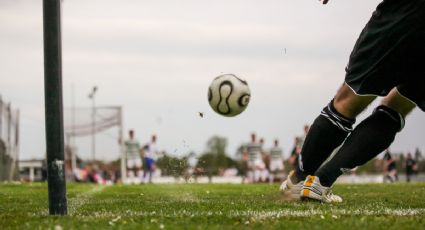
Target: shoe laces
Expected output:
[332,197]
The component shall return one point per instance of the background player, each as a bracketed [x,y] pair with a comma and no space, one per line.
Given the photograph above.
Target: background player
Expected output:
[301,139]
[295,152]
[256,165]
[133,155]
[390,167]
[410,166]
[276,161]
[150,155]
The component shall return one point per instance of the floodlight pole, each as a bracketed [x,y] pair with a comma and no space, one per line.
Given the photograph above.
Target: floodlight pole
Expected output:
[93,125]
[53,107]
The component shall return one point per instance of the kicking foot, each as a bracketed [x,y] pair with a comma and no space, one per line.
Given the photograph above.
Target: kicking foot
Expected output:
[313,190]
[290,190]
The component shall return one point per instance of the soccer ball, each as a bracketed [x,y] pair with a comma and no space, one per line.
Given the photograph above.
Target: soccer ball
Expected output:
[228,95]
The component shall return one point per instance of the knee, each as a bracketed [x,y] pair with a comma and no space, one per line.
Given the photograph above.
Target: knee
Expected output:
[350,104]
[398,103]
[347,108]
[395,116]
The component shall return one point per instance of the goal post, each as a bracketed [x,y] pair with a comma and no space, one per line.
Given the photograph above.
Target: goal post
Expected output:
[79,122]
[53,107]
[122,148]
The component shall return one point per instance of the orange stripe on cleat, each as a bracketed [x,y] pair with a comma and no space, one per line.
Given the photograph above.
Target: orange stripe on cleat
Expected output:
[309,181]
[306,192]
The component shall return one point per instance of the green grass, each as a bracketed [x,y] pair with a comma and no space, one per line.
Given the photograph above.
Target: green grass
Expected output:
[195,206]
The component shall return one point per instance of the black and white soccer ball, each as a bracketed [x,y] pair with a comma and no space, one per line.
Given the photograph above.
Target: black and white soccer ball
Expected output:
[229,95]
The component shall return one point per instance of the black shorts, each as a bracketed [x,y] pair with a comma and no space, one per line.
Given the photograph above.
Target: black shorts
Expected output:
[390,52]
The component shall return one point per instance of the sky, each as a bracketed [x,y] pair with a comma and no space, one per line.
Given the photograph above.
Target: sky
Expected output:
[157,58]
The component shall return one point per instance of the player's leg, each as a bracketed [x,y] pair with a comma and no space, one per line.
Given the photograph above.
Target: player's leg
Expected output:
[258,170]
[390,178]
[372,136]
[277,170]
[273,171]
[271,176]
[375,67]
[151,170]
[264,172]
[257,175]
[250,175]
[139,174]
[250,171]
[385,175]
[329,130]
[130,171]
[145,170]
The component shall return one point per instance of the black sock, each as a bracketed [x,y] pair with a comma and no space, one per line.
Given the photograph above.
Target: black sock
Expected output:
[368,139]
[326,133]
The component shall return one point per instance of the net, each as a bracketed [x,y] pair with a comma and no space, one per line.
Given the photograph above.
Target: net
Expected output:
[80,122]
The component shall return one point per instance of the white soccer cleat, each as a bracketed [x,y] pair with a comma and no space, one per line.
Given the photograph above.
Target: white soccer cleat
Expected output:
[312,189]
[290,190]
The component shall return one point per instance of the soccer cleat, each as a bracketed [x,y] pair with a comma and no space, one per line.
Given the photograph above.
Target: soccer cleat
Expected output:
[313,190]
[290,190]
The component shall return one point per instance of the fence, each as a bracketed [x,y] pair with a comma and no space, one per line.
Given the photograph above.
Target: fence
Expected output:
[9,142]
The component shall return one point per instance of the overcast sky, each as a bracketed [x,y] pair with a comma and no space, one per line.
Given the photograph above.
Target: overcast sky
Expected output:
[157,58]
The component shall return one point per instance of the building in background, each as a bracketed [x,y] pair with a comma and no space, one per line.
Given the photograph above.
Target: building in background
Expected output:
[32,170]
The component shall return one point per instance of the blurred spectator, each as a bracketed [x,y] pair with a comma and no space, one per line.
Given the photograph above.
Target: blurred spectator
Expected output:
[293,158]
[298,144]
[390,167]
[230,172]
[150,155]
[301,139]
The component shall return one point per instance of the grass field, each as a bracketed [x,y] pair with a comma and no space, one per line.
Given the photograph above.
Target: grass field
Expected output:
[196,206]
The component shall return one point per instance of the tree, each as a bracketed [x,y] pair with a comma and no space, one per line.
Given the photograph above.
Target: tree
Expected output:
[217,145]
[171,166]
[418,155]
[215,157]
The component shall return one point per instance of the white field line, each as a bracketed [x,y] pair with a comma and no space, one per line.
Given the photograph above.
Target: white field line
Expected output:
[264,215]
[82,199]
[185,197]
[334,213]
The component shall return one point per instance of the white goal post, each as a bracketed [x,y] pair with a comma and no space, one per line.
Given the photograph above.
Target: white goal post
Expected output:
[85,121]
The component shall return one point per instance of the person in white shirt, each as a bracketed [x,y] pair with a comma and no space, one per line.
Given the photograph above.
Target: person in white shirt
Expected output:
[256,164]
[134,161]
[276,161]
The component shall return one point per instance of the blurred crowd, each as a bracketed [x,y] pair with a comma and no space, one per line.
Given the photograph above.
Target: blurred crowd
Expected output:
[390,169]
[253,163]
